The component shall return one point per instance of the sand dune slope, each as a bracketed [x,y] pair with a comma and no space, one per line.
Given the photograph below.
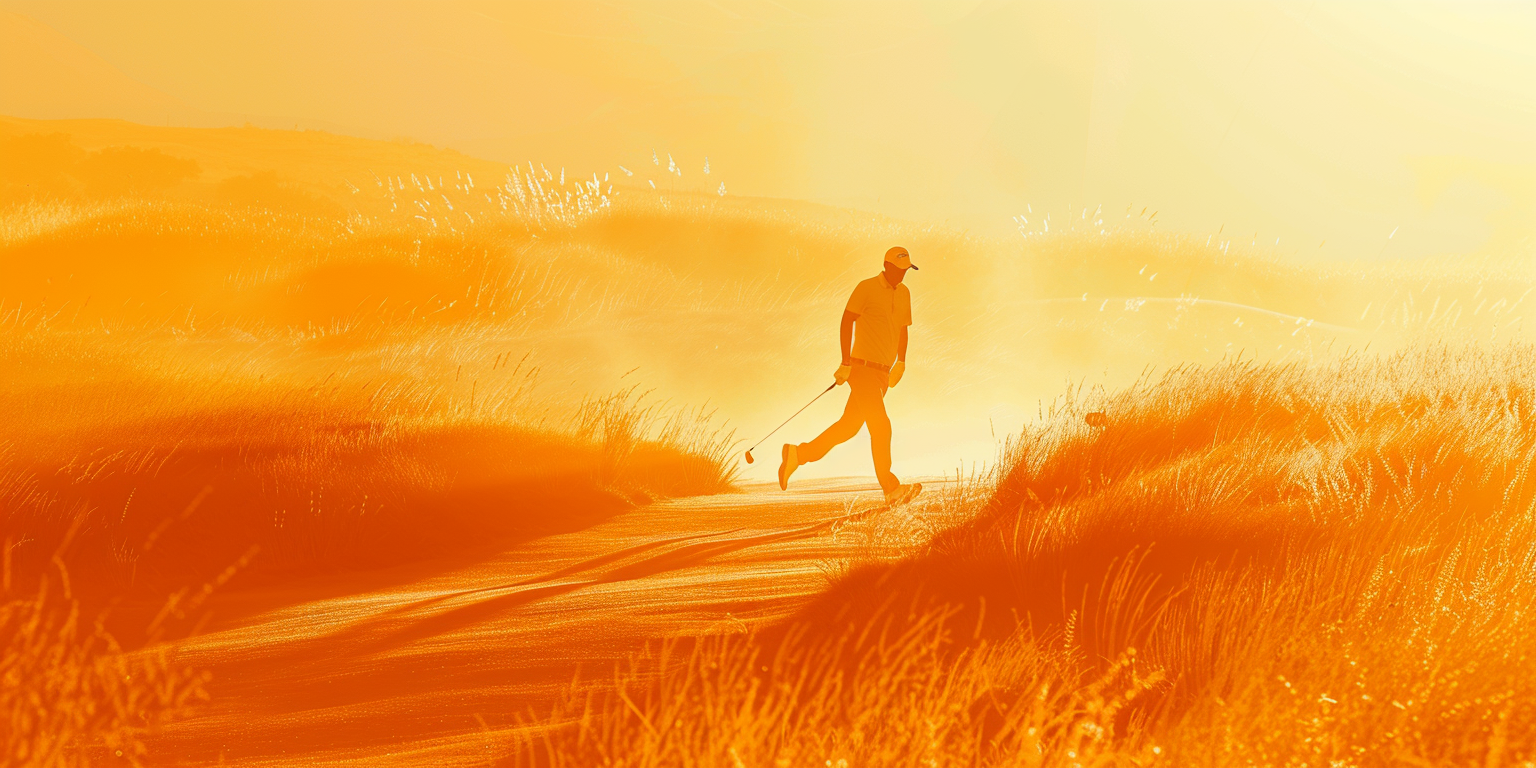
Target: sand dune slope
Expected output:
[410,670]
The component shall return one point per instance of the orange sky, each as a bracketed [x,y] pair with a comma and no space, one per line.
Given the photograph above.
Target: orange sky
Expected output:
[1300,121]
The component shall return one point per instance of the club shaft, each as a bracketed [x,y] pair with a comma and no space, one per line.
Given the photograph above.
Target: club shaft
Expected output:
[792,417]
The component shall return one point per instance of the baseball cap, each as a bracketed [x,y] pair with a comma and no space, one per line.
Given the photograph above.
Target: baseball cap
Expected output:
[899,256]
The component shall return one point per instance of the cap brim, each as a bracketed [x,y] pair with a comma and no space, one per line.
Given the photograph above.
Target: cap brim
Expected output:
[914,266]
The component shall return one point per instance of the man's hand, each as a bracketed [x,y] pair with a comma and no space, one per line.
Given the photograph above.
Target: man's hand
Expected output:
[896,372]
[843,372]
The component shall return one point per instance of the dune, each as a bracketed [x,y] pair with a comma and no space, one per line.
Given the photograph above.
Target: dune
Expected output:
[258,376]
[1243,565]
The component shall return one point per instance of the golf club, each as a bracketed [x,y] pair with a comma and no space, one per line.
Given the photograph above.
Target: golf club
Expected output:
[786,421]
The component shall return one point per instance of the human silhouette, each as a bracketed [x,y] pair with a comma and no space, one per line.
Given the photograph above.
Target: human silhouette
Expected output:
[873,336]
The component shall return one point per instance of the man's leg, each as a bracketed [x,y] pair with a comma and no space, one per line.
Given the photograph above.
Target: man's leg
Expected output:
[880,434]
[841,430]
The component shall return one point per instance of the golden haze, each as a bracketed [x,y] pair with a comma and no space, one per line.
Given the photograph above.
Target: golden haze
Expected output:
[326,449]
[1325,125]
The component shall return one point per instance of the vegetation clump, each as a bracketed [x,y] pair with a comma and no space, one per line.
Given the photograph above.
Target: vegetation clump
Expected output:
[1246,565]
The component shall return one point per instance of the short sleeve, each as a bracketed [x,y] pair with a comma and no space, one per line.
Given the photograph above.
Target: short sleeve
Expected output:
[857,300]
[904,311]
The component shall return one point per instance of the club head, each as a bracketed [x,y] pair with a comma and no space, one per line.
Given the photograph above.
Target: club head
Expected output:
[749,457]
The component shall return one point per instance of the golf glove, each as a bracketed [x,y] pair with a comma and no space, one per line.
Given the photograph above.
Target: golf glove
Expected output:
[843,372]
[896,372]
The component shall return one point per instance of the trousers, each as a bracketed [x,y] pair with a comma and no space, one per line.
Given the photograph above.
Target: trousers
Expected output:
[866,406]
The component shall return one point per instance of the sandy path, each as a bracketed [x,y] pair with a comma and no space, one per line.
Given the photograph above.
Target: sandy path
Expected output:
[425,672]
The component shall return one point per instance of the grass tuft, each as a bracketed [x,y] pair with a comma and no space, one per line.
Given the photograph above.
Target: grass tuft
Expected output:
[1245,565]
[72,695]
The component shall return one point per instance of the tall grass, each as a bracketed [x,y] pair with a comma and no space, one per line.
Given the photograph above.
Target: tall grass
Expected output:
[684,451]
[72,695]
[845,696]
[1249,565]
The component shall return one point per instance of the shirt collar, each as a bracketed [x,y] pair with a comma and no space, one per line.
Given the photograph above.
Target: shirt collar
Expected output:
[885,282]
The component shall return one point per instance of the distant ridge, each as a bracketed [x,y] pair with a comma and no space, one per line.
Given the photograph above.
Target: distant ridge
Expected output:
[323,163]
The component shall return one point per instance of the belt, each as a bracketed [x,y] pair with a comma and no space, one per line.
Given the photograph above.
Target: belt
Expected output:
[868,364]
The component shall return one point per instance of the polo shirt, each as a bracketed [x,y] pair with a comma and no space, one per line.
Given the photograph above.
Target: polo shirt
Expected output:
[883,311]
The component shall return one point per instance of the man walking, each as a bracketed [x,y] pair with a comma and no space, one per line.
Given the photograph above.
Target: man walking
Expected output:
[874,343]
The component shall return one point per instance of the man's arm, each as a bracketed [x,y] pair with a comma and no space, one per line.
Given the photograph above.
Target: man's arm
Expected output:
[901,345]
[845,336]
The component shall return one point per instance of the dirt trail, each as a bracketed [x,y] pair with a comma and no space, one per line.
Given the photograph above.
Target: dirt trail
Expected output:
[426,671]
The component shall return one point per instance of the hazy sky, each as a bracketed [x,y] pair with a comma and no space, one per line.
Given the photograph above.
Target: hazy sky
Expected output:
[1336,121]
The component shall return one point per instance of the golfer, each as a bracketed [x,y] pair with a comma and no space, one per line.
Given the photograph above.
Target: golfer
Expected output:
[874,343]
